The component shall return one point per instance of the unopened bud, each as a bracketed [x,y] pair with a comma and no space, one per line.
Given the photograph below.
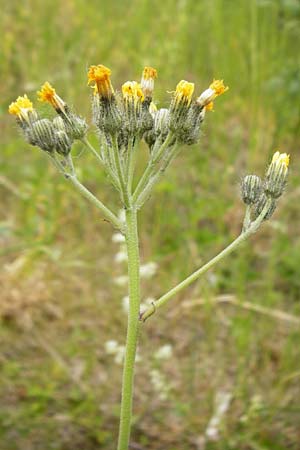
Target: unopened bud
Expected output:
[251,188]
[59,123]
[216,88]
[261,205]
[106,113]
[63,143]
[147,81]
[41,133]
[161,122]
[77,126]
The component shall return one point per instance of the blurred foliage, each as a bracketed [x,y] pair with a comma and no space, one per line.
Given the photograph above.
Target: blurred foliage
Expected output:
[58,265]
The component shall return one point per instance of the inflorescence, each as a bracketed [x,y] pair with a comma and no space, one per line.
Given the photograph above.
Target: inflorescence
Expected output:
[125,115]
[123,118]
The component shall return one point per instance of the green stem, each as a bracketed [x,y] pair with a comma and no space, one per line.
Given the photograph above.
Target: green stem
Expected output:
[156,177]
[87,143]
[107,167]
[132,150]
[151,167]
[120,171]
[132,328]
[193,277]
[109,215]
[247,218]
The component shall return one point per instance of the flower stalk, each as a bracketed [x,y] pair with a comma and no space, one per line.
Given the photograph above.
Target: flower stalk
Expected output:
[133,325]
[202,270]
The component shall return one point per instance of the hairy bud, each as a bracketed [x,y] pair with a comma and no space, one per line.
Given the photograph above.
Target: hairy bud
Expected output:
[180,105]
[77,126]
[63,143]
[106,113]
[251,188]
[276,176]
[41,133]
[263,201]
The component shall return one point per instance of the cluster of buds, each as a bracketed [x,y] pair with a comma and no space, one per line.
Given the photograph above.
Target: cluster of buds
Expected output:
[126,115]
[263,194]
[120,117]
[49,135]
[133,113]
[184,116]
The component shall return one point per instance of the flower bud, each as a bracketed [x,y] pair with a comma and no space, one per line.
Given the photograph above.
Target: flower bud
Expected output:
[262,203]
[63,143]
[77,126]
[59,123]
[160,127]
[276,176]
[251,188]
[161,122]
[147,81]
[189,133]
[41,133]
[136,109]
[216,88]
[23,109]
[106,113]
[180,105]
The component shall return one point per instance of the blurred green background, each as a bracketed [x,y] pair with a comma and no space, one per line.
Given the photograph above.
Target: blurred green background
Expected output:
[60,302]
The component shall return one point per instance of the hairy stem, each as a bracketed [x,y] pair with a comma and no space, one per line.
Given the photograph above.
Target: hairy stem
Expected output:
[195,275]
[107,167]
[131,163]
[120,171]
[151,167]
[132,328]
[168,158]
[108,214]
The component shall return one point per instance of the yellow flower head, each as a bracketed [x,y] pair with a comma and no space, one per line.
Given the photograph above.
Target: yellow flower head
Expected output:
[21,108]
[147,81]
[132,90]
[149,73]
[276,176]
[100,75]
[207,97]
[183,93]
[218,87]
[281,161]
[48,94]
[209,106]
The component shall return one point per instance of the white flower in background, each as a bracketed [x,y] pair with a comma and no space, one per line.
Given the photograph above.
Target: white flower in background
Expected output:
[125,304]
[164,352]
[121,280]
[119,355]
[121,256]
[111,347]
[148,270]
[118,238]
[146,303]
[212,278]
[222,402]
[160,384]
[138,357]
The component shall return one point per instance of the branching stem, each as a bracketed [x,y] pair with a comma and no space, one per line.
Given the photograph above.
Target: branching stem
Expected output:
[195,275]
